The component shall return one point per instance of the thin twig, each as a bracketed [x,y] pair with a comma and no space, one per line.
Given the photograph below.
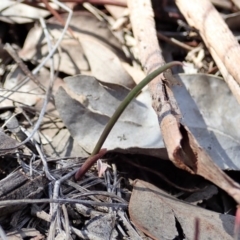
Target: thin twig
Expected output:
[101,193]
[174,41]
[66,200]
[23,66]
[57,16]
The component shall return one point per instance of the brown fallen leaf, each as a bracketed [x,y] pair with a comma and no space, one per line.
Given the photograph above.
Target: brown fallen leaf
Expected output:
[157,214]
[86,106]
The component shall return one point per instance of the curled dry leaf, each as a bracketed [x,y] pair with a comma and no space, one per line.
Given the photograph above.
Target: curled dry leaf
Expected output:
[209,110]
[157,214]
[87,106]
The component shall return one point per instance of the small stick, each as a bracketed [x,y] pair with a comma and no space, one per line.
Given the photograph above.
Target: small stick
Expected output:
[174,42]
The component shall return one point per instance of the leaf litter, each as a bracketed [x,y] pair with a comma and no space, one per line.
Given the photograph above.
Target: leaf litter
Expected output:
[138,121]
[84,104]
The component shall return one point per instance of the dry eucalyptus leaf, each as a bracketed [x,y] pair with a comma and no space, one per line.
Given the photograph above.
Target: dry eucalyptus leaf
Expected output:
[84,22]
[211,113]
[16,12]
[96,49]
[104,64]
[157,213]
[186,141]
[27,94]
[134,131]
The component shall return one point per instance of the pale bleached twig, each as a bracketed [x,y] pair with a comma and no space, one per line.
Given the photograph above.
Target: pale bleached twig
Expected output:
[61,200]
[66,222]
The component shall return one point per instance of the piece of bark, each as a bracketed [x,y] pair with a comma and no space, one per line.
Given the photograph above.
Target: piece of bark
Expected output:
[13,126]
[20,186]
[183,149]
[11,182]
[6,142]
[220,41]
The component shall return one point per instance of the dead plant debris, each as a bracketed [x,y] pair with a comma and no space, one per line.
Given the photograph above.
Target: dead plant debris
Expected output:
[169,168]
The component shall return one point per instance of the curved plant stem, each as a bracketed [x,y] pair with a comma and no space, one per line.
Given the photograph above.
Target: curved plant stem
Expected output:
[88,163]
[132,94]
[97,153]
